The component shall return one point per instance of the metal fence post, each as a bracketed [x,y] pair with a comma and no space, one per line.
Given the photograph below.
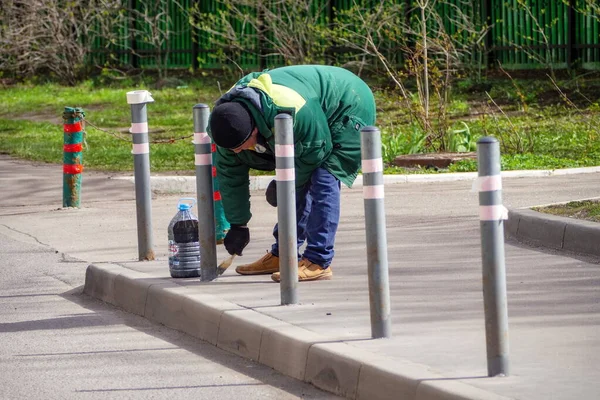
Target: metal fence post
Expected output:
[491,215]
[141,163]
[377,260]
[204,192]
[72,157]
[286,208]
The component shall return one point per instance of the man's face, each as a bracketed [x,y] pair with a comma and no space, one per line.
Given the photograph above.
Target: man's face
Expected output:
[249,143]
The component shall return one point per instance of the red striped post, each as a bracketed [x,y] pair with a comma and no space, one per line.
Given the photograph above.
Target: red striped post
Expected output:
[73,129]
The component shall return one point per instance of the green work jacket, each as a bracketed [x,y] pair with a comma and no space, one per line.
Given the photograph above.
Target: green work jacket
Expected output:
[330,105]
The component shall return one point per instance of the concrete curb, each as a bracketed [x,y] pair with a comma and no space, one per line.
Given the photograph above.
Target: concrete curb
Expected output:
[327,363]
[187,184]
[558,233]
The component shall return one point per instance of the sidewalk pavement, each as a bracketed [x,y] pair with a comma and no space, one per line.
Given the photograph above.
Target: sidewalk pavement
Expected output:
[438,346]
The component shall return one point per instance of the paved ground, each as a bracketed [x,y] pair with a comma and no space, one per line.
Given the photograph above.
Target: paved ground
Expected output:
[435,274]
[58,344]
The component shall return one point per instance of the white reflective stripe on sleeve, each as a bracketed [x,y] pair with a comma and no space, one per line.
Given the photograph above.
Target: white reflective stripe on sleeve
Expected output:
[373,192]
[287,174]
[203,159]
[201,138]
[373,165]
[140,148]
[493,213]
[139,127]
[487,183]
[284,150]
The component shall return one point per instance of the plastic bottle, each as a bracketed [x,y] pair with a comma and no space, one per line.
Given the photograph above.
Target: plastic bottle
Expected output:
[184,247]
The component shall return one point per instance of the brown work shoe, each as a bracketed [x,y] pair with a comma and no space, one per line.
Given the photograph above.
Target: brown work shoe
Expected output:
[266,265]
[308,271]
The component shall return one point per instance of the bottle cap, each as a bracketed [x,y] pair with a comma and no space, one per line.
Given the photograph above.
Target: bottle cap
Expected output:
[185,203]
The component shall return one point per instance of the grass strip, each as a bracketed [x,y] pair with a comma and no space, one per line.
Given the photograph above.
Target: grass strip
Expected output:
[588,210]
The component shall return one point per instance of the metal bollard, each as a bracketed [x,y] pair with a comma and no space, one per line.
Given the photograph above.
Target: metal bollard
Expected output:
[373,193]
[72,156]
[286,208]
[141,163]
[491,215]
[204,192]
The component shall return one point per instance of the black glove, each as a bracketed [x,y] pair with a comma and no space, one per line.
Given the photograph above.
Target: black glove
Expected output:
[237,239]
[272,193]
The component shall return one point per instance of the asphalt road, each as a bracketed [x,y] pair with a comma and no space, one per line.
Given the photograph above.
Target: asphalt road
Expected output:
[56,343]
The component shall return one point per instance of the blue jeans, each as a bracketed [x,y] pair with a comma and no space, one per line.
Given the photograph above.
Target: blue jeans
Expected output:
[317,217]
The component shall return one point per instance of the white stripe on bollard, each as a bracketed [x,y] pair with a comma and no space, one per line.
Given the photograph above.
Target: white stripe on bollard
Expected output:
[203,159]
[493,213]
[284,150]
[373,192]
[139,127]
[287,174]
[373,165]
[201,138]
[487,183]
[140,148]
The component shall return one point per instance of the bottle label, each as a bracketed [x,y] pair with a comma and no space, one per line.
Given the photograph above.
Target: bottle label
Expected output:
[173,252]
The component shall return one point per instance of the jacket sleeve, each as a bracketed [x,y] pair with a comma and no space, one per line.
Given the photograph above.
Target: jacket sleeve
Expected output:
[312,139]
[234,186]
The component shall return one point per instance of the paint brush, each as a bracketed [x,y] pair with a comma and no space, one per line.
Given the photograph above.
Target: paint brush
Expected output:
[225,264]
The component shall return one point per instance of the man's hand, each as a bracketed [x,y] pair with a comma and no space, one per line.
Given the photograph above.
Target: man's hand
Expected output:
[272,193]
[237,239]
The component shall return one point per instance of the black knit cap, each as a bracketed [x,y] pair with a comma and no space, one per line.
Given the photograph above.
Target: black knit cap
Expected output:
[230,124]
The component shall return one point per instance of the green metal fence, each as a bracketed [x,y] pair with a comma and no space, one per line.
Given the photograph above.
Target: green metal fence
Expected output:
[542,33]
[524,34]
